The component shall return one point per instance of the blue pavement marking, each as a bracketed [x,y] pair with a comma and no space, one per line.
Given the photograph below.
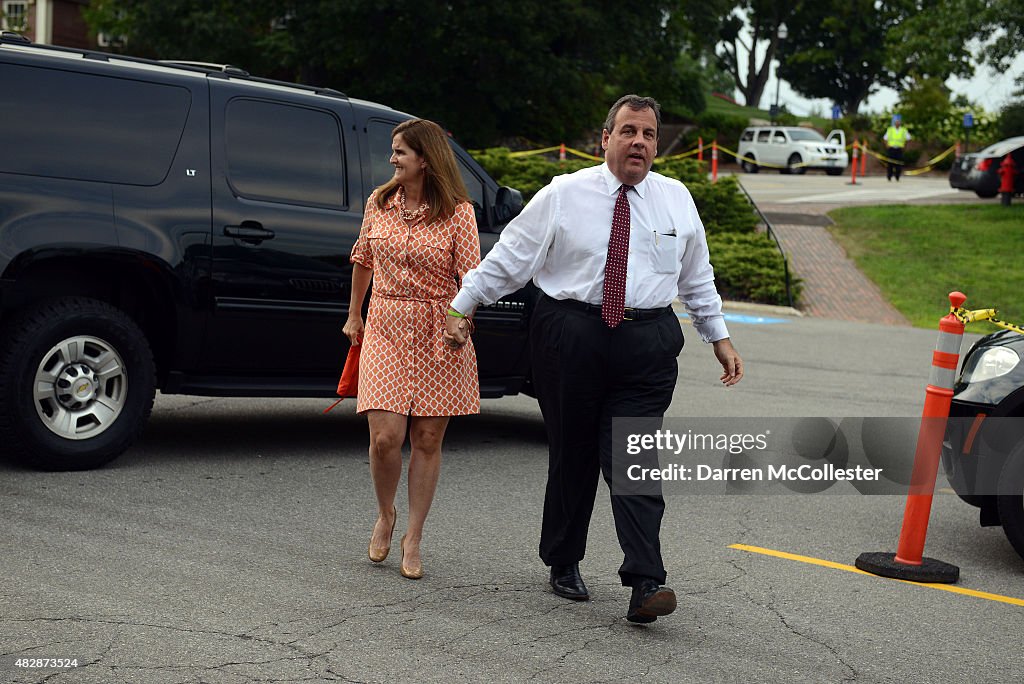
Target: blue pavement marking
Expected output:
[743,318]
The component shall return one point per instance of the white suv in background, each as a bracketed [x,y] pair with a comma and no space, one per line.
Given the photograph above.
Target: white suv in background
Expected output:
[792,149]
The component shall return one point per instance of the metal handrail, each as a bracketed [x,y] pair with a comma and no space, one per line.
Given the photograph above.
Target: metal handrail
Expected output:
[773,236]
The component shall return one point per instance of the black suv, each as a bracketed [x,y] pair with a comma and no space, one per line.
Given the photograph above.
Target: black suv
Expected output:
[186,227]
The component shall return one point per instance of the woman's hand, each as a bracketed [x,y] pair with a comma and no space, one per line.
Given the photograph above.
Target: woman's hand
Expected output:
[354,330]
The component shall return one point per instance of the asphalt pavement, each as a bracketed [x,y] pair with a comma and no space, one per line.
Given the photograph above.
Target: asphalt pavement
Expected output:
[229,546]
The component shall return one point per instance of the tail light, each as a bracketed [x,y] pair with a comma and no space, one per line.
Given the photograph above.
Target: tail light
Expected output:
[984,164]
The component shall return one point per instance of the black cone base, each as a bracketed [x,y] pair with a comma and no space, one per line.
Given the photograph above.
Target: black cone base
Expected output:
[886,565]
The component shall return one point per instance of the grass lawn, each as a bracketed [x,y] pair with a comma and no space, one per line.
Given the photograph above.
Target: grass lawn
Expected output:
[918,254]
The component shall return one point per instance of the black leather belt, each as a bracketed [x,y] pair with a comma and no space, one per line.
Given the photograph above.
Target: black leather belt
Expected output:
[595,309]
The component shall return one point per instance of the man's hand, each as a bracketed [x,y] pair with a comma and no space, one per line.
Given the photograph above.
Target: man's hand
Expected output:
[732,364]
[456,331]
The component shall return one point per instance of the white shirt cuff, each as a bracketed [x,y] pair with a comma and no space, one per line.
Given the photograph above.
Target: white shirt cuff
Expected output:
[464,303]
[710,328]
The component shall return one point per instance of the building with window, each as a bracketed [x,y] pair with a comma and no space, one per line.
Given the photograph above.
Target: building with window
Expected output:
[55,22]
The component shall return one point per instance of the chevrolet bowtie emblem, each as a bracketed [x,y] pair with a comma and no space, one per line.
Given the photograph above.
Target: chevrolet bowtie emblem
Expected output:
[82,388]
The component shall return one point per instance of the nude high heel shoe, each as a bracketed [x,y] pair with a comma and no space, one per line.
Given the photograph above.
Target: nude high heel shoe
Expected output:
[407,572]
[378,555]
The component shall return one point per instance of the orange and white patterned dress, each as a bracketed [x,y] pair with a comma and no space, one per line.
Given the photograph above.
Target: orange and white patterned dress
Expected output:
[404,366]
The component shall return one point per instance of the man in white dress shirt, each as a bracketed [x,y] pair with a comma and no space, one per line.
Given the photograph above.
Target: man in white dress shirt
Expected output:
[605,346]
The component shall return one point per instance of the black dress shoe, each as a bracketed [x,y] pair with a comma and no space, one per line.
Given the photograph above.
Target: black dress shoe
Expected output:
[649,600]
[567,583]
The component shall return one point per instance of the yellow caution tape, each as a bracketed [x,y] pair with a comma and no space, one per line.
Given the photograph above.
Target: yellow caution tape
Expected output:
[911,172]
[527,153]
[931,162]
[591,157]
[583,155]
[740,157]
[966,316]
[683,155]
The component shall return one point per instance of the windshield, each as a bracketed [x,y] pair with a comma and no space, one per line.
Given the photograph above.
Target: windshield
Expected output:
[805,134]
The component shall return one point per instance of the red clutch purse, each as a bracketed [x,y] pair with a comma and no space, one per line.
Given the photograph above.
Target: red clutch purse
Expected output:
[348,384]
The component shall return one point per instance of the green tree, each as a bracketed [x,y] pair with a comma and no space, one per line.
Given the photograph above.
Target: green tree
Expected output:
[735,32]
[1003,29]
[836,50]
[1011,120]
[932,41]
[844,50]
[223,31]
[538,68]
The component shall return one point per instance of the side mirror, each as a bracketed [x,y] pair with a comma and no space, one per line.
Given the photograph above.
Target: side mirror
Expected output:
[508,203]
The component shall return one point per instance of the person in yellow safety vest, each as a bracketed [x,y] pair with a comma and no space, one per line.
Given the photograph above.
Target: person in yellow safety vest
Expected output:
[896,138]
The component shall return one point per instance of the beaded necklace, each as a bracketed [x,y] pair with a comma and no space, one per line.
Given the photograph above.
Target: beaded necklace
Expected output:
[411,215]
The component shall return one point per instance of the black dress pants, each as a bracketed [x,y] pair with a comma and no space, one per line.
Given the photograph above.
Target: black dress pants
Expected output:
[894,169]
[586,374]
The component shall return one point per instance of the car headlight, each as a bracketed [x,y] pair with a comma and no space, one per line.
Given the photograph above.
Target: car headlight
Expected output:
[989,364]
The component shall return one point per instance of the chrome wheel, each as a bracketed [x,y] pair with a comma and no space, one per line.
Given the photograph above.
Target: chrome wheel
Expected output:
[80,387]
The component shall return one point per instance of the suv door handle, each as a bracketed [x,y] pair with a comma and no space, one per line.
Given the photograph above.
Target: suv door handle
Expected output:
[252,232]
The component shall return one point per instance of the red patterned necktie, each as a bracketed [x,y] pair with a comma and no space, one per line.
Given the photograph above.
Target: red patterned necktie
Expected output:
[613,302]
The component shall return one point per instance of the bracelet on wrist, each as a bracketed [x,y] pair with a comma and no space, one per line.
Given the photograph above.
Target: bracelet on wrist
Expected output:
[453,312]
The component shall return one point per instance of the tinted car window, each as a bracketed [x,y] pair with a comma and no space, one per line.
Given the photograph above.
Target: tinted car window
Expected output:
[473,184]
[762,136]
[805,134]
[747,136]
[85,127]
[283,153]
[378,137]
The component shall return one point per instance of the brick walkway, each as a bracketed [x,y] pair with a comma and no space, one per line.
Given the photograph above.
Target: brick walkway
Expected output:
[833,287]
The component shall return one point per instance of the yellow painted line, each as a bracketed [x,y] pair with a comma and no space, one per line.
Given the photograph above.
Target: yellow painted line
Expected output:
[850,568]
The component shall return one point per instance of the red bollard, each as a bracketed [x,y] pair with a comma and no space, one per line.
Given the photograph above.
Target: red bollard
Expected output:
[864,157]
[1007,171]
[956,155]
[908,563]
[561,152]
[714,161]
[853,166]
[700,149]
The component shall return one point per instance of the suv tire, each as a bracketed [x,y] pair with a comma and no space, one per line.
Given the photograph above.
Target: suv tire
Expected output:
[749,166]
[791,165]
[77,379]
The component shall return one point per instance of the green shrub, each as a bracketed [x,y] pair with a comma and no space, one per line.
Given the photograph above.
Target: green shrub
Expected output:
[525,174]
[722,206]
[689,170]
[723,128]
[748,267]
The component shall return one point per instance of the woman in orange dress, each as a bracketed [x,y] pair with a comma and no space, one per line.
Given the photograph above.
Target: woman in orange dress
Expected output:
[419,237]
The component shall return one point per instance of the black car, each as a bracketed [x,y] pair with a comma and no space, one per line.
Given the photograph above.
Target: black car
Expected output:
[186,227]
[979,171]
[983,453]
